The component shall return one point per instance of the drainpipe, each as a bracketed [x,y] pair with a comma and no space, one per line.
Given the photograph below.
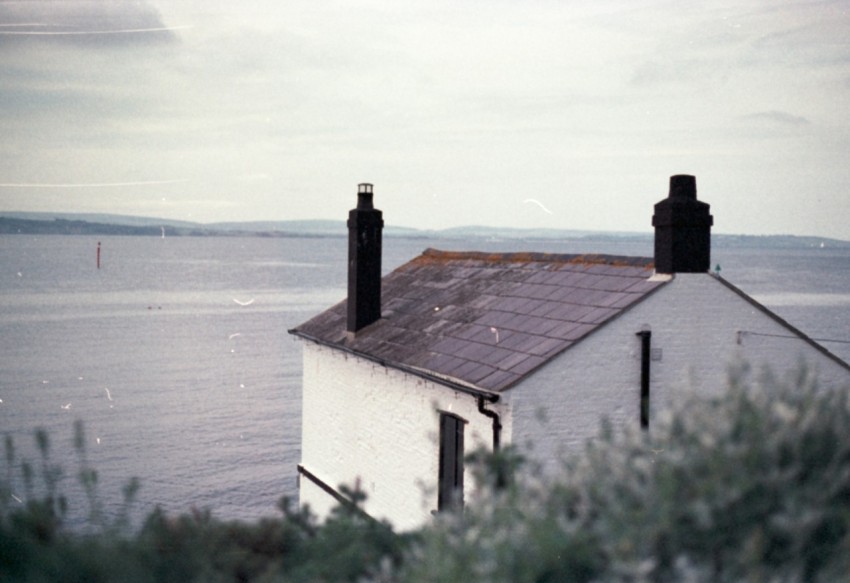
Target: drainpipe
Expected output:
[497,423]
[645,352]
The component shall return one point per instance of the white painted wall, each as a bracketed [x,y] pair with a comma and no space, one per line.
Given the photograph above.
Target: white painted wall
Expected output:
[368,424]
[695,322]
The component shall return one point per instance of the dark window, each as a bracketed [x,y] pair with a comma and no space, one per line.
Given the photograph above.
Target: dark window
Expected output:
[450,493]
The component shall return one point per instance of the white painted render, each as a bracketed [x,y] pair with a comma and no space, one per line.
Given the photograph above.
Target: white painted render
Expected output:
[700,330]
[368,425]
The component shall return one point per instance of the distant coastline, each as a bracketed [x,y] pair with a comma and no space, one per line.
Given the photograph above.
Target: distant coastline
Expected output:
[20,223]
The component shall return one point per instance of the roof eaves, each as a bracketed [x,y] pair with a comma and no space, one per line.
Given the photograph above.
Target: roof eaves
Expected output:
[451,383]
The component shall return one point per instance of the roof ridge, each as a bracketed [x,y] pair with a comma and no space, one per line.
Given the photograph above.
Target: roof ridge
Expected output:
[433,255]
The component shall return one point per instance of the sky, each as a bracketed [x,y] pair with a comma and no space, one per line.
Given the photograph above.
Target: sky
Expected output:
[510,113]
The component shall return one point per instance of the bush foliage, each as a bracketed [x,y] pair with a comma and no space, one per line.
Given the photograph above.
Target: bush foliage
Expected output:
[754,485]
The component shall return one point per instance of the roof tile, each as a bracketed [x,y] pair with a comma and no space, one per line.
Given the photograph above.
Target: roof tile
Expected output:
[625,300]
[580,331]
[498,380]
[495,318]
[515,340]
[570,312]
[548,347]
[472,371]
[527,365]
[598,315]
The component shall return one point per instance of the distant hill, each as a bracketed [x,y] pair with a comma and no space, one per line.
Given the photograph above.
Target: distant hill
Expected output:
[15,226]
[308,227]
[105,224]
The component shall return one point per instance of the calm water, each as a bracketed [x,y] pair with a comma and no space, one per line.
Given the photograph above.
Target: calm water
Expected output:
[175,353]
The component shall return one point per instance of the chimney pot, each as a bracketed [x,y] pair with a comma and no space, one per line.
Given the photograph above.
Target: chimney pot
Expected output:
[364,196]
[684,186]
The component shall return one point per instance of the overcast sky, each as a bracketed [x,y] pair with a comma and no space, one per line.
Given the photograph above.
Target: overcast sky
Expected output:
[529,113]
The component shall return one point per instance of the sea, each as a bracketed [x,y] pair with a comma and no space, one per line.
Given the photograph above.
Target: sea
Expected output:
[174,354]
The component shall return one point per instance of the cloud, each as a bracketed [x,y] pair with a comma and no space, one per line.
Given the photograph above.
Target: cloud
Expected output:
[249,104]
[777,117]
[88,23]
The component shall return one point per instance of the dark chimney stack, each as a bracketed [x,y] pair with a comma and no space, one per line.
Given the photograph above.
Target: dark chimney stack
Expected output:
[682,229]
[365,224]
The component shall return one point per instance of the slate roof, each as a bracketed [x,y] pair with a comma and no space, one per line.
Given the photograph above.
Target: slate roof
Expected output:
[488,320]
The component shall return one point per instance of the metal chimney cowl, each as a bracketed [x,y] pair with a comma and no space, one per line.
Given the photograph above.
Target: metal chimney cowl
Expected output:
[682,229]
[365,226]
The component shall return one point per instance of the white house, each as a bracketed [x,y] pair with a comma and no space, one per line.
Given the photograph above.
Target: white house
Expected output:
[454,350]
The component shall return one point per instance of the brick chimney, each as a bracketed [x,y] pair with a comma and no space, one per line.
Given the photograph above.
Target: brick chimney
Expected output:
[365,224]
[682,229]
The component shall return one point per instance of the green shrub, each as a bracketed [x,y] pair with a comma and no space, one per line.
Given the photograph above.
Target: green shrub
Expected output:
[35,544]
[753,485]
[750,486]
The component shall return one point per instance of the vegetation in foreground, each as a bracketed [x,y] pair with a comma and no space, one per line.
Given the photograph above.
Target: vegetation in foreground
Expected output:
[753,486]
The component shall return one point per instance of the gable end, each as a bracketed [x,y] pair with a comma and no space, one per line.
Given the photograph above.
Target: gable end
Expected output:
[782,322]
